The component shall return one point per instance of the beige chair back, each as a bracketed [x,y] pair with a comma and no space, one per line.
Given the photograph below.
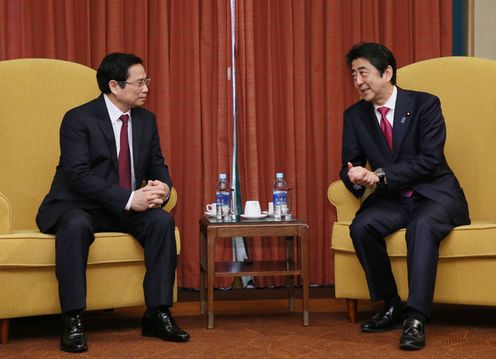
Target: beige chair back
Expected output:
[465,88]
[35,96]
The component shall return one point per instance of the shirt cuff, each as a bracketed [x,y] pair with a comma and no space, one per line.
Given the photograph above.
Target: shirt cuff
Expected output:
[357,187]
[129,201]
[168,195]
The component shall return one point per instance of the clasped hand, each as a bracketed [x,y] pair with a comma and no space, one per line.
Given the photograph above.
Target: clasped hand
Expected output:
[150,196]
[361,176]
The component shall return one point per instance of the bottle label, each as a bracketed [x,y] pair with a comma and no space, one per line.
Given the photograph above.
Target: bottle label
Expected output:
[279,198]
[222,198]
[222,204]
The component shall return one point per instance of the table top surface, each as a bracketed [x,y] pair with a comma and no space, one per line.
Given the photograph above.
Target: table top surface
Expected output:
[266,224]
[207,220]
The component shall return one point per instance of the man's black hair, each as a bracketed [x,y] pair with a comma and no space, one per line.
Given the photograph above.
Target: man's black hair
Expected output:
[378,55]
[115,66]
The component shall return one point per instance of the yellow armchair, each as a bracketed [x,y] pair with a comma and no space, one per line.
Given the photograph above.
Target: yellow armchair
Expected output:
[467,264]
[36,95]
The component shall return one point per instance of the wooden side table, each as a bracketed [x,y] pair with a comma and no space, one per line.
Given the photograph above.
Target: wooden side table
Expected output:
[210,230]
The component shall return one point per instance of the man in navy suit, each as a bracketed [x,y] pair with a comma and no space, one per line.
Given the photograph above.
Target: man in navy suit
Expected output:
[90,193]
[400,135]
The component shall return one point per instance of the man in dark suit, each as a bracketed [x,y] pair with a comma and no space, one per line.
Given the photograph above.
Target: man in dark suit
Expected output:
[109,148]
[400,134]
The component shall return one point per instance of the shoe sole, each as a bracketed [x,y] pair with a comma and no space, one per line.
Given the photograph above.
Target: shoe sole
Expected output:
[147,333]
[396,326]
[411,346]
[68,350]
[151,334]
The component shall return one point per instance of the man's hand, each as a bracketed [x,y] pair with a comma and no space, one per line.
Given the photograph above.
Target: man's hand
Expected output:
[362,176]
[152,195]
[159,184]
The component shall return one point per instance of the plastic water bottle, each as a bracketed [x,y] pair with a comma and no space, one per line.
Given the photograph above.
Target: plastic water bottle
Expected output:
[280,198]
[222,197]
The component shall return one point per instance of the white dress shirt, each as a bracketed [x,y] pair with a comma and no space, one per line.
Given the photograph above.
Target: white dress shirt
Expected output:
[390,103]
[114,114]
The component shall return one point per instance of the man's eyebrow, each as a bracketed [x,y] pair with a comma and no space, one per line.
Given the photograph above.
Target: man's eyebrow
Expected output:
[361,68]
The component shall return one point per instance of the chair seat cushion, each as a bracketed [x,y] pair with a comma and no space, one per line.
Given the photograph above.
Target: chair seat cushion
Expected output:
[35,249]
[475,240]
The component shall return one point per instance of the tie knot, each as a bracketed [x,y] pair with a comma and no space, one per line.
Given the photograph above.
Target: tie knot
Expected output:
[124,119]
[383,110]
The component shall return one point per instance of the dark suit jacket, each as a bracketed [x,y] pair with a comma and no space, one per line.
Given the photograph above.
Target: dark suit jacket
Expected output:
[87,175]
[417,159]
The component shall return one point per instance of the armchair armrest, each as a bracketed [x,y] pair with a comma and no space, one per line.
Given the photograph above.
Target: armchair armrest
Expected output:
[171,203]
[5,215]
[345,202]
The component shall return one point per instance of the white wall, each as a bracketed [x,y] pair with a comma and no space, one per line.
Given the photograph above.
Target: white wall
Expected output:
[484,28]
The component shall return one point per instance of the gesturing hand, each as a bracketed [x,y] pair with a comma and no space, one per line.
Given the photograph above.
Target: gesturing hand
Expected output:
[361,176]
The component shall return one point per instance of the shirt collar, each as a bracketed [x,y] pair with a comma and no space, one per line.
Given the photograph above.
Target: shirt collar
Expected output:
[391,102]
[113,110]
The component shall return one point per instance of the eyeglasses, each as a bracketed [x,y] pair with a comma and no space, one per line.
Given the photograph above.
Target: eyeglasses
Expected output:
[138,83]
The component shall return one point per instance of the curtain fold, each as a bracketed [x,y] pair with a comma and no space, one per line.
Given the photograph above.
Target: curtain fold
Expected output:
[292,89]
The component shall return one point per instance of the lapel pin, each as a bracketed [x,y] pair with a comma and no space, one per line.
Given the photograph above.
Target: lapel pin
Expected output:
[403,119]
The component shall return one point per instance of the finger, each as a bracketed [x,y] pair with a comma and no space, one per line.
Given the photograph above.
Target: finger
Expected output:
[154,191]
[350,165]
[154,198]
[159,195]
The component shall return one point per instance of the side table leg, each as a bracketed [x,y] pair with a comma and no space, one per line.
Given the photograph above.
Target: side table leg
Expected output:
[210,277]
[304,274]
[291,279]
[210,324]
[306,318]
[203,250]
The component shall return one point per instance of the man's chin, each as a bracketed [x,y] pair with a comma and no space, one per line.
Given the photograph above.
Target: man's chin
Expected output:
[367,97]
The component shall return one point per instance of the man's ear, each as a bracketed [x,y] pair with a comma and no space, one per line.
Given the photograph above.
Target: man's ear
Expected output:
[388,73]
[114,86]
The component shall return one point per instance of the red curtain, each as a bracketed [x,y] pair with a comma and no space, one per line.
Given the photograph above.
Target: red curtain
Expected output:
[293,87]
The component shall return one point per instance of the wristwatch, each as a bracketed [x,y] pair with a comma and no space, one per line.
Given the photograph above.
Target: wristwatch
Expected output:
[382,176]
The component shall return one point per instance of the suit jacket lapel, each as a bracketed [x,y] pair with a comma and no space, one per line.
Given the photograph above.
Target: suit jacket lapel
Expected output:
[402,118]
[106,126]
[372,126]
[137,141]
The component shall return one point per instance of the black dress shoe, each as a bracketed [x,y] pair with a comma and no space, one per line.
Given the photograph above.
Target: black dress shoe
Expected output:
[389,318]
[160,324]
[73,339]
[413,336]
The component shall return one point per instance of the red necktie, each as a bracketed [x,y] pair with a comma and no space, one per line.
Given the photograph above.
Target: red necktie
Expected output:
[386,128]
[124,156]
